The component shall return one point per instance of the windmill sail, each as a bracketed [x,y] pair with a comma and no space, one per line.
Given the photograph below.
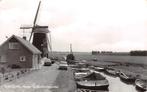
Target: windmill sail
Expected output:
[35,19]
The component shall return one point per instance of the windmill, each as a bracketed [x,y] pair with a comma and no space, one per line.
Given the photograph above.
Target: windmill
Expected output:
[40,36]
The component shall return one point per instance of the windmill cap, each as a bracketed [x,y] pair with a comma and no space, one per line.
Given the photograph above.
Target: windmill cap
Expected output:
[41,29]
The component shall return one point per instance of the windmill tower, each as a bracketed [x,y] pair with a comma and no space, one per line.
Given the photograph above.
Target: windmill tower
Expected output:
[40,36]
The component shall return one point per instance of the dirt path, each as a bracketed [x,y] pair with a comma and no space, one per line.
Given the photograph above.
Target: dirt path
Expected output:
[65,82]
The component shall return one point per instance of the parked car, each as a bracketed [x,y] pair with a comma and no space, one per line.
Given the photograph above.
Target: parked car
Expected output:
[63,65]
[47,62]
[54,59]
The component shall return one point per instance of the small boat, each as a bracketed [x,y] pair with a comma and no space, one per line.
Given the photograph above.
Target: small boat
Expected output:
[128,78]
[99,68]
[141,84]
[94,81]
[111,71]
[73,66]
[80,73]
[94,59]
[89,90]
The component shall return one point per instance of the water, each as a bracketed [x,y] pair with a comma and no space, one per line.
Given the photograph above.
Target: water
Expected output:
[116,85]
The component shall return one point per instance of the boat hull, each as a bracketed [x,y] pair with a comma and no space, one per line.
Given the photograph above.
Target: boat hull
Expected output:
[126,78]
[102,87]
[140,85]
[100,69]
[111,72]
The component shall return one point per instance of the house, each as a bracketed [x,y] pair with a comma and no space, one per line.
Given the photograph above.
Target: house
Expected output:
[19,52]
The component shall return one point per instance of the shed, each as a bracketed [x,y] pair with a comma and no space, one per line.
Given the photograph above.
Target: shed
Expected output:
[20,52]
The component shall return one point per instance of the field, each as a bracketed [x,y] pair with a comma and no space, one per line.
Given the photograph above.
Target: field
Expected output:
[112,58]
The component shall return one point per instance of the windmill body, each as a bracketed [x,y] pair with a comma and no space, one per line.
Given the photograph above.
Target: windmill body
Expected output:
[41,40]
[40,36]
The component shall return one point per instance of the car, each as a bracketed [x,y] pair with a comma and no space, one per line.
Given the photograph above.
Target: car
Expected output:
[54,59]
[63,65]
[47,62]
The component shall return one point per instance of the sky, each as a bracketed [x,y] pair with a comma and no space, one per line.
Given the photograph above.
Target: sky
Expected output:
[102,25]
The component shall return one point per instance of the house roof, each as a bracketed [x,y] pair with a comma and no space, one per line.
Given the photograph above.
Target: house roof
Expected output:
[26,43]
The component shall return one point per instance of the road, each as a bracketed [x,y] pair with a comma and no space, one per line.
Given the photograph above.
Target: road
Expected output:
[65,81]
[37,81]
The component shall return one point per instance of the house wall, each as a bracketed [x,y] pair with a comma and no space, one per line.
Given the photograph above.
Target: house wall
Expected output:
[36,61]
[13,55]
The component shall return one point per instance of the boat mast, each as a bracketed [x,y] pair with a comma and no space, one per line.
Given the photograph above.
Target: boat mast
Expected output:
[71,49]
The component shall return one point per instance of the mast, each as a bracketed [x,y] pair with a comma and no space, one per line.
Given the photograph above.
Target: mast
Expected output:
[71,49]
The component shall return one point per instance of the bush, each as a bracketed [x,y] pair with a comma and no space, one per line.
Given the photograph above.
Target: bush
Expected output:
[138,53]
[14,66]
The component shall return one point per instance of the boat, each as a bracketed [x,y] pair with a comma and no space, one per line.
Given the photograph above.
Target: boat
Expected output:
[80,73]
[100,69]
[89,90]
[94,59]
[128,78]
[93,81]
[141,84]
[111,71]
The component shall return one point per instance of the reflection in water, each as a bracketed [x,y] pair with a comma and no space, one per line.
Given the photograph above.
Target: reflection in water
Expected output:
[116,85]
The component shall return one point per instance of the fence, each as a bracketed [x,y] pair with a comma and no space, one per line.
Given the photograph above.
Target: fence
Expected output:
[13,75]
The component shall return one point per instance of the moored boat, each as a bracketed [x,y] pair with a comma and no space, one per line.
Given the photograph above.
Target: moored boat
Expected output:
[97,68]
[89,90]
[112,72]
[141,84]
[94,81]
[128,78]
[80,73]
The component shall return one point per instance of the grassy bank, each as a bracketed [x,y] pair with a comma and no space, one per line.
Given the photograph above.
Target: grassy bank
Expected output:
[139,70]
[65,82]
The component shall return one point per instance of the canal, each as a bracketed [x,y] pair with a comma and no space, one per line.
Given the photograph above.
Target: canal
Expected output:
[116,85]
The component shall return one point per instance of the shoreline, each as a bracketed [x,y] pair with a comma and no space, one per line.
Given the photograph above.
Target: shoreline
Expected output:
[139,70]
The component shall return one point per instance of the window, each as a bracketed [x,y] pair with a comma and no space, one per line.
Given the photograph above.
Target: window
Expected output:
[3,58]
[13,45]
[22,58]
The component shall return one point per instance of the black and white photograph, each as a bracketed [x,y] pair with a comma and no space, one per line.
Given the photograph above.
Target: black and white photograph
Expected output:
[73,45]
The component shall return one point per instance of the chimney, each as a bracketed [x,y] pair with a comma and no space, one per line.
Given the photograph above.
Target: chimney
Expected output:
[24,37]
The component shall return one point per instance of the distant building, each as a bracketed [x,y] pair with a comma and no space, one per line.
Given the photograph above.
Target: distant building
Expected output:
[138,53]
[16,51]
[110,53]
[95,52]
